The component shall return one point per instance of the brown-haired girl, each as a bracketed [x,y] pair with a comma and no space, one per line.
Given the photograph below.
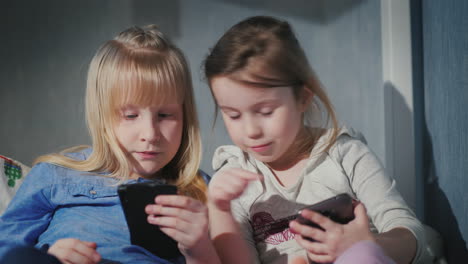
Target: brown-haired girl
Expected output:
[290,152]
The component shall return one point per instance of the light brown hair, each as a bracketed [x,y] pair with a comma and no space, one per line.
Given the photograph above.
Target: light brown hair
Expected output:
[264,51]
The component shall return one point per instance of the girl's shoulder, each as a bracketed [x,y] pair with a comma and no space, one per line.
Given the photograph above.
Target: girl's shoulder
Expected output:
[81,154]
[349,142]
[346,135]
[226,154]
[230,156]
[349,135]
[51,173]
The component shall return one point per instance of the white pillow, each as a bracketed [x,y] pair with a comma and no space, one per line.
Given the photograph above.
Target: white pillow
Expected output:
[12,174]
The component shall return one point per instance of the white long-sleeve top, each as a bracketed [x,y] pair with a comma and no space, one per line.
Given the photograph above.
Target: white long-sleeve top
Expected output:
[265,208]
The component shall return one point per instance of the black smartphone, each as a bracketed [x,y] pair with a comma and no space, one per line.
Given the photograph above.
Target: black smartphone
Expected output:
[338,208]
[134,198]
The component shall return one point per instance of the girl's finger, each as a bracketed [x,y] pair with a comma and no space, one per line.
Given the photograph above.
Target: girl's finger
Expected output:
[180,201]
[172,222]
[159,210]
[88,251]
[312,246]
[90,244]
[245,174]
[77,251]
[226,192]
[182,238]
[307,231]
[231,183]
[319,219]
[320,258]
[70,255]
[186,238]
[233,177]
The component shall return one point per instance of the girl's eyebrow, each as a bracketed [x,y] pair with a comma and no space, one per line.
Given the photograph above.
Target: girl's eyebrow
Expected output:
[266,102]
[261,84]
[222,107]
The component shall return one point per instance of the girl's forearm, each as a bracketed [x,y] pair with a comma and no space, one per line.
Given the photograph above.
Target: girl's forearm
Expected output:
[227,237]
[399,244]
[206,253]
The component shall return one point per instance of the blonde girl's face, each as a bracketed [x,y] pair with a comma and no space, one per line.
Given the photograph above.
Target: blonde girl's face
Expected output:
[261,121]
[150,135]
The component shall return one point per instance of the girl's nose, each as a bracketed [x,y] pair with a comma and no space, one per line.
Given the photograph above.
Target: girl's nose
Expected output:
[150,131]
[252,128]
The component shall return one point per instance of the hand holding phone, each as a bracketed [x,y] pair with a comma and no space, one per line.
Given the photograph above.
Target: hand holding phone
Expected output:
[339,208]
[134,198]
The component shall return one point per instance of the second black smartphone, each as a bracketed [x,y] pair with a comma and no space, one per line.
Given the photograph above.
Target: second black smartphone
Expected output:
[134,198]
[339,208]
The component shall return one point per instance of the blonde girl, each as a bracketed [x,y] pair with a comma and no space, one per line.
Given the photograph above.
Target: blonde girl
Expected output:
[141,117]
[290,152]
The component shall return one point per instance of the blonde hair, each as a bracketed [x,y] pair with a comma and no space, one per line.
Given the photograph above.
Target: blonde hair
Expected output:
[267,51]
[142,67]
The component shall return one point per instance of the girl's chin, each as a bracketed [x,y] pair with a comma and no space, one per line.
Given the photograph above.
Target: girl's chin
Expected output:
[149,173]
[263,158]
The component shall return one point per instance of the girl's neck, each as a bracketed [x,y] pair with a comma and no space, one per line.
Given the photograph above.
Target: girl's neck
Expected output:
[299,150]
[288,167]
[288,177]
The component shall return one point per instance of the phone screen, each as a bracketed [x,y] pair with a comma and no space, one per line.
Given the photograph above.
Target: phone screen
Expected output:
[134,198]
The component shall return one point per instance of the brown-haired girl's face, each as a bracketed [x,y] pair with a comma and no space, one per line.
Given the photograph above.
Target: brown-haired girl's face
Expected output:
[150,135]
[261,121]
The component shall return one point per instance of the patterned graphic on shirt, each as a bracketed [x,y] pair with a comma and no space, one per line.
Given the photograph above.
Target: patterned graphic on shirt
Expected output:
[12,171]
[271,231]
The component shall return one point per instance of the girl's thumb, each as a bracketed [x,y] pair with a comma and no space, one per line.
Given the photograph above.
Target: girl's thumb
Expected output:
[360,214]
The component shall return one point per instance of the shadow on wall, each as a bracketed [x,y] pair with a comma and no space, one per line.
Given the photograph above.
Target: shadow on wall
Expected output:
[437,111]
[399,143]
[438,211]
[324,11]
[435,209]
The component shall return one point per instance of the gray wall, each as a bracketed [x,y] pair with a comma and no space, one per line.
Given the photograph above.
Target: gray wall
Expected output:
[48,45]
[444,123]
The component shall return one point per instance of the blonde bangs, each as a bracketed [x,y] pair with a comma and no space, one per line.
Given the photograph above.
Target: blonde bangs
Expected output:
[147,78]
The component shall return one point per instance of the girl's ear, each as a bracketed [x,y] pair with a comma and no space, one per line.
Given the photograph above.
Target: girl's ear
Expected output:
[305,98]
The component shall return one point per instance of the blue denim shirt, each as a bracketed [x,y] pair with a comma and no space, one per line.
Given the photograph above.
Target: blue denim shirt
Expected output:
[56,202]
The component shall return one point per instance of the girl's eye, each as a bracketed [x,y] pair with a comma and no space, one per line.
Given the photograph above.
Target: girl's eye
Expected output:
[164,115]
[233,116]
[266,112]
[130,116]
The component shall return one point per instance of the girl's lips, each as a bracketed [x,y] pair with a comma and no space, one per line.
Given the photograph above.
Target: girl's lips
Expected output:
[261,148]
[147,154]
